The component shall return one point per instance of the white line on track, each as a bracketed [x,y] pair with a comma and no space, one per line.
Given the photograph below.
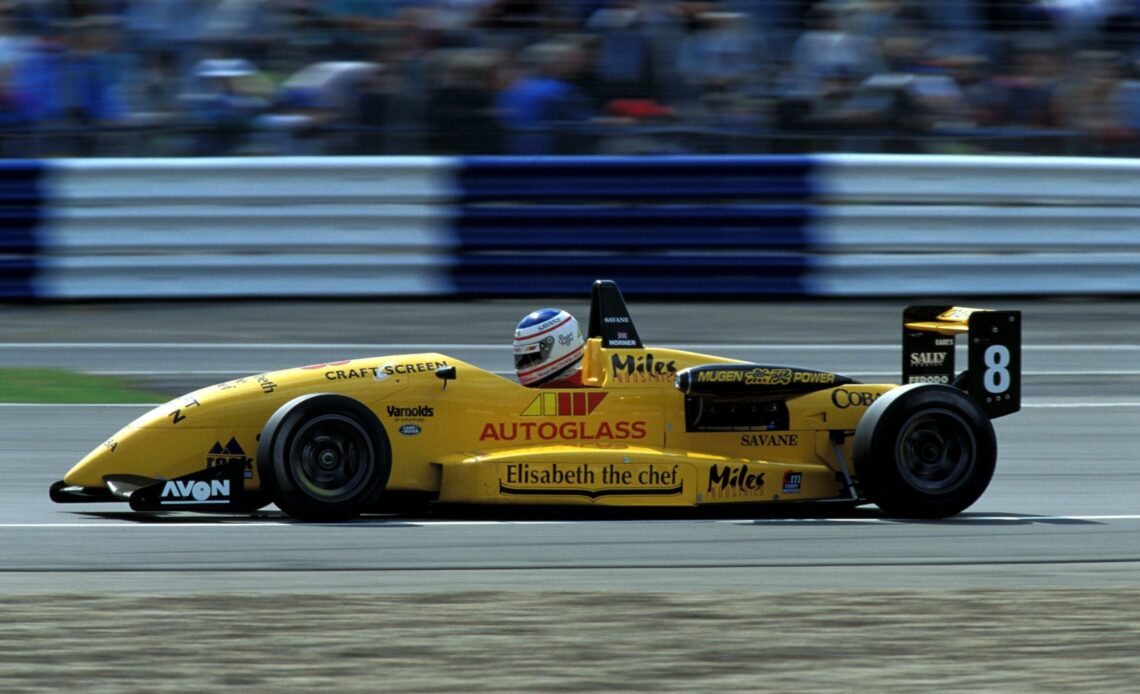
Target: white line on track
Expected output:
[284,522]
[277,346]
[79,404]
[859,374]
[1026,405]
[1097,372]
[965,519]
[243,523]
[168,372]
[1076,405]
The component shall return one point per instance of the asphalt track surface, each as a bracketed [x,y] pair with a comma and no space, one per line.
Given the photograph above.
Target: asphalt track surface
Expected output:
[1033,589]
[1063,510]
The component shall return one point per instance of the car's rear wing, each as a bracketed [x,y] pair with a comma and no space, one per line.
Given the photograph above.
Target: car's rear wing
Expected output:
[609,317]
[993,341]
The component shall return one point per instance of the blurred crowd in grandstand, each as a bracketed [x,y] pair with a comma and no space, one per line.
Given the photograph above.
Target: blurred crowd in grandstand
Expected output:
[250,77]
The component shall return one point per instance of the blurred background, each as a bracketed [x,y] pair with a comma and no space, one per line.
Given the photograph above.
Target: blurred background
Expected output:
[158,153]
[147,78]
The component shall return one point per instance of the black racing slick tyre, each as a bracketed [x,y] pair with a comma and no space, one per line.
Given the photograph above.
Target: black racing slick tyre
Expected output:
[324,457]
[924,451]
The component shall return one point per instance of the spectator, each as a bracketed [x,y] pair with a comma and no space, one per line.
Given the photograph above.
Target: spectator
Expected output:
[512,20]
[827,51]
[982,94]
[70,81]
[226,98]
[178,27]
[356,26]
[239,27]
[543,111]
[1085,99]
[320,97]
[151,89]
[154,88]
[1126,102]
[1027,88]
[720,56]
[624,55]
[64,65]
[14,51]
[461,110]
[827,63]
[1075,23]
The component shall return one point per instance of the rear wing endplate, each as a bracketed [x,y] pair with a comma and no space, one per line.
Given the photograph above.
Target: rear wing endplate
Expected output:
[993,343]
[610,319]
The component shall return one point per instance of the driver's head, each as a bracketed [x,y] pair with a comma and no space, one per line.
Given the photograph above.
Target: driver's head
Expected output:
[548,345]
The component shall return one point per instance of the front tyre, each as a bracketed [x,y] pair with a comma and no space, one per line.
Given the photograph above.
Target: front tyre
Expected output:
[324,457]
[924,451]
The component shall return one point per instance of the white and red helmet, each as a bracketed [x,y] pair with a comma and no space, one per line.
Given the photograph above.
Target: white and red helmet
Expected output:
[548,344]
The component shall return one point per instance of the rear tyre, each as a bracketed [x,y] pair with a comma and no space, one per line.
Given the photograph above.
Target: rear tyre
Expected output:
[324,457]
[924,451]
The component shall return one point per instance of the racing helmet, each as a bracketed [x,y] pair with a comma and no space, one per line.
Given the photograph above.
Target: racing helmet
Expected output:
[548,344]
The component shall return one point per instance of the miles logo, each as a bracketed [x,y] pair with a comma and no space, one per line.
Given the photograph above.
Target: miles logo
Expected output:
[631,369]
[734,478]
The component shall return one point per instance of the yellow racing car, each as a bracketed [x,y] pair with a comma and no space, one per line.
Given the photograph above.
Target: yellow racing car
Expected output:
[646,427]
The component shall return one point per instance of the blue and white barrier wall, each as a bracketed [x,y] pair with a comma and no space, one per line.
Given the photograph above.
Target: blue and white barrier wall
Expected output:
[821,225]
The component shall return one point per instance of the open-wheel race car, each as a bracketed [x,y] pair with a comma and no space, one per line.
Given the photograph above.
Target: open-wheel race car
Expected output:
[648,427]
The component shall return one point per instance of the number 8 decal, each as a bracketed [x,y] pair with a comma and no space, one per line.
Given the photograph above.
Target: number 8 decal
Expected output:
[996,378]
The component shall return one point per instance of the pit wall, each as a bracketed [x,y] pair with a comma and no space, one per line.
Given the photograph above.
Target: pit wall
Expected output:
[750,226]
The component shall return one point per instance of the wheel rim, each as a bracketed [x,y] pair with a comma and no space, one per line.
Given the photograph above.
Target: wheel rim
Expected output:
[936,451]
[331,457]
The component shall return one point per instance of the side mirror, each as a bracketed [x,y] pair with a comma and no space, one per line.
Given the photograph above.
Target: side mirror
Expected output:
[445,373]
